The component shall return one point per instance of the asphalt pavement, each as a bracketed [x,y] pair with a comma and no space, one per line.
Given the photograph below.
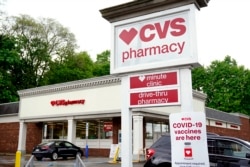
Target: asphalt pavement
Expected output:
[9,161]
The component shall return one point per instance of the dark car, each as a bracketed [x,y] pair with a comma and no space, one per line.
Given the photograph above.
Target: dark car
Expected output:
[55,149]
[222,151]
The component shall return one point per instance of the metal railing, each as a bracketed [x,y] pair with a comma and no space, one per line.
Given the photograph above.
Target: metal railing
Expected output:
[30,163]
[79,162]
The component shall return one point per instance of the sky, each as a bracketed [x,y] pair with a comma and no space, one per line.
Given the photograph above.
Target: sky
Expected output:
[222,27]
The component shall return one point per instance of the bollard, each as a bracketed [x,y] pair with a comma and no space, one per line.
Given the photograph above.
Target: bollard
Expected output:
[86,151]
[18,159]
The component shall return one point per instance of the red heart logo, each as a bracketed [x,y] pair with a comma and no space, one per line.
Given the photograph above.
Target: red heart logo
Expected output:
[53,103]
[128,36]
[188,152]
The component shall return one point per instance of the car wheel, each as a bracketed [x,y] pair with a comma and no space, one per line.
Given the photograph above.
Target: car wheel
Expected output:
[39,158]
[54,156]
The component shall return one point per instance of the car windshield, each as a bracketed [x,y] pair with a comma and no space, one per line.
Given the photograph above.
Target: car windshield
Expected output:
[248,143]
[163,141]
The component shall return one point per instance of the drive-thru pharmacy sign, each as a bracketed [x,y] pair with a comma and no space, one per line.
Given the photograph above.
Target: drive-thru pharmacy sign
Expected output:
[188,138]
[153,41]
[154,89]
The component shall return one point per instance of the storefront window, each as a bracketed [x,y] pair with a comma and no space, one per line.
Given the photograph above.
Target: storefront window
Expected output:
[55,130]
[156,128]
[149,130]
[100,129]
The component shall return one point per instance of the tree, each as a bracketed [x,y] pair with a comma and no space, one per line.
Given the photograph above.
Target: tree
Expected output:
[199,78]
[246,97]
[39,42]
[9,61]
[76,67]
[102,64]
[225,84]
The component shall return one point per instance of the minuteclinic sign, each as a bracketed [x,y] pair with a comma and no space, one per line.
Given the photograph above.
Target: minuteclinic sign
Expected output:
[154,80]
[189,139]
[153,41]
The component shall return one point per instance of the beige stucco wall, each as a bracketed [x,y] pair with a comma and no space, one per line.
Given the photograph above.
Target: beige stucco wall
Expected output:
[97,100]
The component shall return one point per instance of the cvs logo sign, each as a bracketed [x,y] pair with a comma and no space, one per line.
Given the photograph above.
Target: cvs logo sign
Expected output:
[175,27]
[157,40]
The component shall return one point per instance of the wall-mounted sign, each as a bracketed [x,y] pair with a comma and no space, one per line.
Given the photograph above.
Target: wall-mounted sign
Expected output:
[157,40]
[66,102]
[107,126]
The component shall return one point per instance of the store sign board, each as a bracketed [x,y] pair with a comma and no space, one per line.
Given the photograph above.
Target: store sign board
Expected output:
[154,80]
[188,137]
[157,40]
[63,102]
[107,126]
[154,98]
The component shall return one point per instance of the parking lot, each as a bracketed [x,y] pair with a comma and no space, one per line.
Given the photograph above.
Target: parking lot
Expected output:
[9,161]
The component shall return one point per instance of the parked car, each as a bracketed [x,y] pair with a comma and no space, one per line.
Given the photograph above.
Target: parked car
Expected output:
[222,151]
[55,149]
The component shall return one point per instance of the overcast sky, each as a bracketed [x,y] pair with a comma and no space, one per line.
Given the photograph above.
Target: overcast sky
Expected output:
[223,28]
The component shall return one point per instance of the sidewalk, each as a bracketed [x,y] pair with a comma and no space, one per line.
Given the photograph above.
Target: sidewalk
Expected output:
[8,160]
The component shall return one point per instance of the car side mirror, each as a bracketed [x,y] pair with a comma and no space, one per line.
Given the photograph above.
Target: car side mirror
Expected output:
[247,155]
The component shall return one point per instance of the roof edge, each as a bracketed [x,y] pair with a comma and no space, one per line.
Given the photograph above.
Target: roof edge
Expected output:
[142,7]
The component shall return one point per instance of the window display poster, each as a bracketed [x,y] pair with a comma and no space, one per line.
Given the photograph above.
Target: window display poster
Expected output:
[115,151]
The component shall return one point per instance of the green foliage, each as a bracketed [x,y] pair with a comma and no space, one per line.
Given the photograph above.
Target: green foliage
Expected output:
[9,60]
[42,52]
[198,78]
[76,67]
[226,85]
[28,47]
[102,64]
[38,42]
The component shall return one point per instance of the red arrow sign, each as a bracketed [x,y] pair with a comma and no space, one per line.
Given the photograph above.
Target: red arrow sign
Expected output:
[154,80]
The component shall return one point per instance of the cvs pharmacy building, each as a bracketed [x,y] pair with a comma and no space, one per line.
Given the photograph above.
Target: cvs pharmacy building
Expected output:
[88,112]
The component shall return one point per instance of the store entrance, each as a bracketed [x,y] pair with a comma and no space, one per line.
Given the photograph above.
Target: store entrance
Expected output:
[55,130]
